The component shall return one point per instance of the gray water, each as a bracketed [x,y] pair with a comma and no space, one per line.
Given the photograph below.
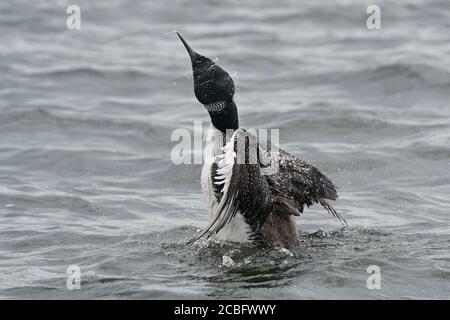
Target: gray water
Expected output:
[86,118]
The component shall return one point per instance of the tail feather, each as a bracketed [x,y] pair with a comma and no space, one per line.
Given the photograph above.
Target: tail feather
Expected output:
[332,211]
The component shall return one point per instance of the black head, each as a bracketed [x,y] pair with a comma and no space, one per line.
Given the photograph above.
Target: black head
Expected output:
[212,84]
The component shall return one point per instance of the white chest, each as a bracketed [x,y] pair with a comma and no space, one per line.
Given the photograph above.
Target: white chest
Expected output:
[237,229]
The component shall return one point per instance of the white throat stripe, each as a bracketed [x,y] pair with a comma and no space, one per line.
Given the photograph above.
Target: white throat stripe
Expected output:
[215,106]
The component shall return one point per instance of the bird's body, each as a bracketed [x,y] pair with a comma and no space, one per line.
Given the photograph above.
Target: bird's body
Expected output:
[237,229]
[247,202]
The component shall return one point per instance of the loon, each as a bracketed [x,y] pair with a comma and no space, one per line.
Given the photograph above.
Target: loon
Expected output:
[245,204]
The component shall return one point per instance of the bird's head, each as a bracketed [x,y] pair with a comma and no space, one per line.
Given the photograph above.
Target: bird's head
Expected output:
[212,84]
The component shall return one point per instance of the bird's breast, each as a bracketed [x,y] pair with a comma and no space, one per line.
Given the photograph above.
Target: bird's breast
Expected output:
[237,230]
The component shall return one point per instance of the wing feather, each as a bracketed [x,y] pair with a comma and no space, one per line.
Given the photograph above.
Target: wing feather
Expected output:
[301,183]
[226,175]
[244,189]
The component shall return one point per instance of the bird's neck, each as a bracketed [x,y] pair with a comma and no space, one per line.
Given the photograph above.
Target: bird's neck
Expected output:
[225,119]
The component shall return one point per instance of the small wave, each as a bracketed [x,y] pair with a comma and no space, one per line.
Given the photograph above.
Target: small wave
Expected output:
[385,78]
[400,76]
[45,200]
[41,116]
[86,71]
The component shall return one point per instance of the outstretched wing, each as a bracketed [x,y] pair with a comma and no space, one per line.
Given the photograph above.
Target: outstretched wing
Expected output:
[301,183]
[244,188]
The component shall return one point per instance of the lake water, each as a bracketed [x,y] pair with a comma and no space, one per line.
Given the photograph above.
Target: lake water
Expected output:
[86,118]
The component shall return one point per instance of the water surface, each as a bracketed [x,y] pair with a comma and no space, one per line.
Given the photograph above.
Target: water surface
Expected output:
[86,118]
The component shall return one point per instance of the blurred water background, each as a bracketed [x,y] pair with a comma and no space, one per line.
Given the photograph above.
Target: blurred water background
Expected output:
[86,118]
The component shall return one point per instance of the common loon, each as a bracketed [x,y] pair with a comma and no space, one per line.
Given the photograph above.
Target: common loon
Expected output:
[245,204]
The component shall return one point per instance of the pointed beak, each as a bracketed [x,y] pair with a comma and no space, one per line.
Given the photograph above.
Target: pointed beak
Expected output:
[191,52]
